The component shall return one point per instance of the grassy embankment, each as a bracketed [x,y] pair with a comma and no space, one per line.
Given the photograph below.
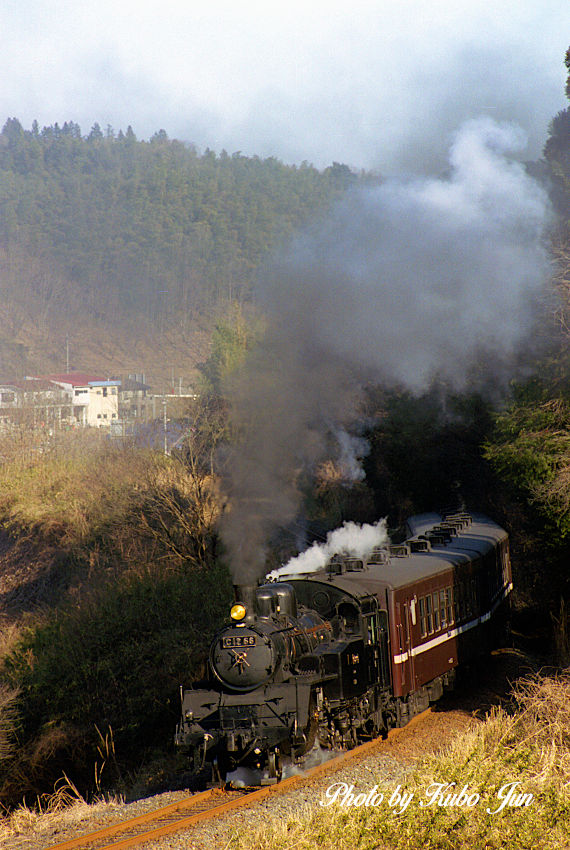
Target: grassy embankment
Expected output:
[530,746]
[123,594]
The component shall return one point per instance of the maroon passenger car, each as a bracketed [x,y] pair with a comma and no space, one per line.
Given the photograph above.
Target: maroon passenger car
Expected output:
[422,608]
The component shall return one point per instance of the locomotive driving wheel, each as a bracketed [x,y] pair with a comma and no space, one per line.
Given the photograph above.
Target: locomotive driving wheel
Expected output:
[274,768]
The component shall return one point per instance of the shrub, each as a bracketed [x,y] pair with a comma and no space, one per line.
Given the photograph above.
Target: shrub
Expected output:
[114,662]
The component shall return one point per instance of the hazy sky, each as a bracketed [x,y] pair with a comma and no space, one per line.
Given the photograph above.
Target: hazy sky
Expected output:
[372,84]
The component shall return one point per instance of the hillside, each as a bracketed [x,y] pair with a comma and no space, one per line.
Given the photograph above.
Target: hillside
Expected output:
[166,356]
[129,248]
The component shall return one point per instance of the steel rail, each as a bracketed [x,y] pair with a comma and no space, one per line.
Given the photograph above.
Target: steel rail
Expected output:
[140,820]
[245,799]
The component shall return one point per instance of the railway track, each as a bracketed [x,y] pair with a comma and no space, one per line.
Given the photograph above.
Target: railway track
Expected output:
[198,808]
[163,821]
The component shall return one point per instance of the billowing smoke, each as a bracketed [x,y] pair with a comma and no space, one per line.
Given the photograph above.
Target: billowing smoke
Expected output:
[402,283]
[352,449]
[349,539]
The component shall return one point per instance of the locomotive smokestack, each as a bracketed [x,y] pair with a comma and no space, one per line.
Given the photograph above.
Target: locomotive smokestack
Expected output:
[245,594]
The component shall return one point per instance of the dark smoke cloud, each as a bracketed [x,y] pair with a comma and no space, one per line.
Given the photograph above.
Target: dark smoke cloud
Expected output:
[403,283]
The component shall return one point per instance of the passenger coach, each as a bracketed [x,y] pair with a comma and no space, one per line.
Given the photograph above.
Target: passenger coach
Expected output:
[424,606]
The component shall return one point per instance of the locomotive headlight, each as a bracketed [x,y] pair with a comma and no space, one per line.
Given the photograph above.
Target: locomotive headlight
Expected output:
[237,612]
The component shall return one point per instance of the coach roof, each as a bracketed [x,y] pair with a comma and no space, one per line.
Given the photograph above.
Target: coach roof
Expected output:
[480,537]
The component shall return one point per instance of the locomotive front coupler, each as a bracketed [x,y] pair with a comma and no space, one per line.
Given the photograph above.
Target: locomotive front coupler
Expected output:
[254,751]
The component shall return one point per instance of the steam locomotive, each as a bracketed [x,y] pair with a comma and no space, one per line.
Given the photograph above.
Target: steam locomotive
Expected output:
[344,654]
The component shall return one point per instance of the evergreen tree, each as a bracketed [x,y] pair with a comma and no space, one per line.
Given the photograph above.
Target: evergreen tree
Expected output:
[127,220]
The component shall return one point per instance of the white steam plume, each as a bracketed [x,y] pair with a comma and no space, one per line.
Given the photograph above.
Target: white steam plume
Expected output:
[350,539]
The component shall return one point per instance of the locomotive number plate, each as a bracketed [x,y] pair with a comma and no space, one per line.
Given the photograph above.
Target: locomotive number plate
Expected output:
[238,640]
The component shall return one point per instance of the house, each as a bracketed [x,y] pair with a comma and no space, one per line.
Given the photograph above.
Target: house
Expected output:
[94,400]
[34,402]
[133,402]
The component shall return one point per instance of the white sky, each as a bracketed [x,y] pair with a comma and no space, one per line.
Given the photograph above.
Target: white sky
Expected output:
[373,84]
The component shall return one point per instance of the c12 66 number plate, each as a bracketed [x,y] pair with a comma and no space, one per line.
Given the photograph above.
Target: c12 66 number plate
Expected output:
[238,640]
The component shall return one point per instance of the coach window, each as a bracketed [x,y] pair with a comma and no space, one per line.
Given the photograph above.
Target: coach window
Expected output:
[474,597]
[457,601]
[435,611]
[466,599]
[505,565]
[442,609]
[449,605]
[429,618]
[423,621]
[371,628]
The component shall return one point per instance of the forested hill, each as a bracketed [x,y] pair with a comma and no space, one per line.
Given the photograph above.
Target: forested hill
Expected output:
[110,228]
[145,220]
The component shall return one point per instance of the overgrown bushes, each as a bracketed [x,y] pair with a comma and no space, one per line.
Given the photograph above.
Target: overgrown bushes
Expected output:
[113,663]
[108,506]
[128,537]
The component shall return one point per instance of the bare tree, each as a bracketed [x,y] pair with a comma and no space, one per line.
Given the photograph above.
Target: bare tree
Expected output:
[182,505]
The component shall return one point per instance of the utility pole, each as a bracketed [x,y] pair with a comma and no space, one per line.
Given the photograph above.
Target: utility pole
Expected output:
[67,354]
[164,424]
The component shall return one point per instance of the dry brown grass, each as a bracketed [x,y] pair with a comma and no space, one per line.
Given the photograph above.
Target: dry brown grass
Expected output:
[8,720]
[9,635]
[59,492]
[114,505]
[63,810]
[544,724]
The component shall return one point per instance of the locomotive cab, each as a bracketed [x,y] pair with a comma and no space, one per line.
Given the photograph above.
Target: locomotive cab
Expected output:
[348,618]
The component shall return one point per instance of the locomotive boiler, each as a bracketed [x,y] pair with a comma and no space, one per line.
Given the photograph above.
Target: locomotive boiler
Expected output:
[346,653]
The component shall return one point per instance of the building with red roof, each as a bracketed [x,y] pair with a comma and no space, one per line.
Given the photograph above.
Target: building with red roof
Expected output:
[94,399]
[55,401]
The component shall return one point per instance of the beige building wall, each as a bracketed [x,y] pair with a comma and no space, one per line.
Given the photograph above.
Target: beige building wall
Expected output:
[103,406]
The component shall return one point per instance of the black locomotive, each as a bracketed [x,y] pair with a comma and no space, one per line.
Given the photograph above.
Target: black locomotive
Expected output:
[344,654]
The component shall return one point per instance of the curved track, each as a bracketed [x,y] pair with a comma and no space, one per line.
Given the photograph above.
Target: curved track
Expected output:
[201,807]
